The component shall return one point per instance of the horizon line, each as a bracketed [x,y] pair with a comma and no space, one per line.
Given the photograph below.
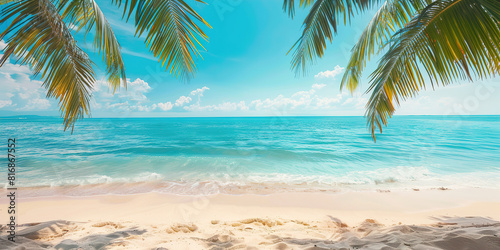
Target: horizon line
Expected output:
[262,116]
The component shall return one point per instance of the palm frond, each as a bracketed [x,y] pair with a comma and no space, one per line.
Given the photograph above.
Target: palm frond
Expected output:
[392,16]
[86,13]
[450,40]
[38,37]
[2,2]
[289,6]
[172,33]
[324,16]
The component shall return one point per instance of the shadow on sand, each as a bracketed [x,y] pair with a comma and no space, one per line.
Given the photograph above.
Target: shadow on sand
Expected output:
[453,233]
[35,236]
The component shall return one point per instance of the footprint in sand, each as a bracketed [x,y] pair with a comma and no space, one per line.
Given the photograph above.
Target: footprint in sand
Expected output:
[108,223]
[182,228]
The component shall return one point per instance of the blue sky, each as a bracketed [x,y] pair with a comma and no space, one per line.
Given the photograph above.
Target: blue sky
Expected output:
[244,72]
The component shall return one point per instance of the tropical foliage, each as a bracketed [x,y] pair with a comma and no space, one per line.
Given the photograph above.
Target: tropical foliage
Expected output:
[420,42]
[37,35]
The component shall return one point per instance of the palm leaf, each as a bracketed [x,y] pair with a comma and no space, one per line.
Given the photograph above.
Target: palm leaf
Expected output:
[450,40]
[38,36]
[2,2]
[324,16]
[86,13]
[289,6]
[394,14]
[172,33]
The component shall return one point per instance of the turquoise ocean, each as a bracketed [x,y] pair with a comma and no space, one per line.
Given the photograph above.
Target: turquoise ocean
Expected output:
[190,156]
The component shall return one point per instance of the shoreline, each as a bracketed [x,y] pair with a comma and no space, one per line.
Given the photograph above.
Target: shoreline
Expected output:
[403,202]
[192,222]
[238,187]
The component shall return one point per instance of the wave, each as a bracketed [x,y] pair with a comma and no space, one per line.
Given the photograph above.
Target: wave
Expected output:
[399,178]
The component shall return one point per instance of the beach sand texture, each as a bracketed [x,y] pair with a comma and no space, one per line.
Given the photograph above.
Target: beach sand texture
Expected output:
[428,219]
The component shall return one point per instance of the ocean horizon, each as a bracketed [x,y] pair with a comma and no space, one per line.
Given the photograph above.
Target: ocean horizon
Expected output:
[210,155]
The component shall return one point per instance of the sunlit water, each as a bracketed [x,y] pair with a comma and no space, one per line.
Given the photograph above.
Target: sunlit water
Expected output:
[261,155]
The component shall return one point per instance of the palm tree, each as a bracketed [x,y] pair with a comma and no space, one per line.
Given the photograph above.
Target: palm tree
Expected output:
[421,42]
[37,35]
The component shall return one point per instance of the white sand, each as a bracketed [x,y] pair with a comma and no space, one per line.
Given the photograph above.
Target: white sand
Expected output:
[430,219]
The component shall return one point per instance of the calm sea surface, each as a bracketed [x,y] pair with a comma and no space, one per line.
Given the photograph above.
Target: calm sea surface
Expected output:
[237,155]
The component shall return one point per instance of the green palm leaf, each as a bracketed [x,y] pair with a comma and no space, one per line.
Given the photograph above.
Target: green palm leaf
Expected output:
[86,13]
[38,36]
[450,40]
[2,2]
[392,16]
[172,33]
[289,6]
[324,16]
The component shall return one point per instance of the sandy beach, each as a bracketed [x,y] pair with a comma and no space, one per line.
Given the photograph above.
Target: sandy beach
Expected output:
[424,219]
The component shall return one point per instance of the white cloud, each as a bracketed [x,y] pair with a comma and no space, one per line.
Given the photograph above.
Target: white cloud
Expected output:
[118,105]
[165,106]
[328,102]
[2,44]
[356,100]
[241,105]
[199,92]
[136,90]
[72,27]
[135,99]
[225,106]
[129,99]
[139,85]
[304,94]
[307,99]
[182,100]
[144,108]
[476,98]
[330,73]
[318,86]
[37,104]
[19,91]
[5,103]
